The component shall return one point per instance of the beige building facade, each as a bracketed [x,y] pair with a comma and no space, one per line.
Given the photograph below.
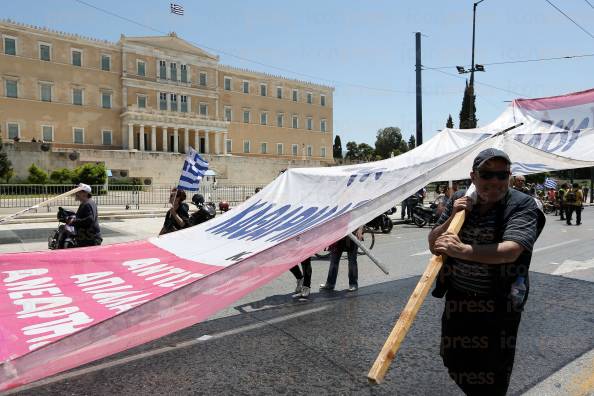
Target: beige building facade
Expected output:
[154,94]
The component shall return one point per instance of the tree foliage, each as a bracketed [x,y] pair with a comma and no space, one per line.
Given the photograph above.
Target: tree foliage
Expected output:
[412,142]
[468,112]
[337,148]
[62,176]
[387,141]
[37,175]
[450,122]
[352,152]
[91,174]
[6,171]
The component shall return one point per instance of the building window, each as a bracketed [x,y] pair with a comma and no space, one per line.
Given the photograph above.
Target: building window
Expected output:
[264,148]
[106,100]
[203,109]
[47,133]
[203,79]
[322,100]
[11,88]
[13,130]
[78,135]
[227,84]
[173,71]
[246,146]
[279,120]
[323,125]
[106,138]
[77,96]
[279,149]
[323,152]
[295,122]
[229,145]
[105,62]
[9,46]
[228,113]
[162,70]
[246,87]
[163,101]
[279,92]
[184,73]
[141,101]
[76,57]
[184,103]
[173,102]
[309,98]
[141,67]
[246,116]
[45,52]
[309,124]
[263,118]
[309,151]
[294,149]
[295,95]
[45,92]
[263,89]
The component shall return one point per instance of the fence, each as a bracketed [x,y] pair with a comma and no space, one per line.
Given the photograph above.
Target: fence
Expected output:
[129,196]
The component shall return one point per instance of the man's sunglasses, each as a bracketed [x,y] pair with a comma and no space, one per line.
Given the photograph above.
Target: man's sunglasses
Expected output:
[488,175]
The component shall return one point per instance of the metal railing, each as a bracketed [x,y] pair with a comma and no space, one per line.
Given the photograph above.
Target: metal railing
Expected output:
[128,196]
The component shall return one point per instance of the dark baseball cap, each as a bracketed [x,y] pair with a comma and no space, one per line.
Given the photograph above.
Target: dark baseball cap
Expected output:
[488,154]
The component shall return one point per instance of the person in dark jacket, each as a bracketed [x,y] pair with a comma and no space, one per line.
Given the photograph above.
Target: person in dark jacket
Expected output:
[86,220]
[177,216]
[485,276]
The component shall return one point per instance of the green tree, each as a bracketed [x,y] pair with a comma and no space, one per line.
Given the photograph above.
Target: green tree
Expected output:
[412,142]
[352,153]
[91,174]
[468,112]
[6,171]
[337,148]
[387,140]
[366,152]
[37,175]
[62,176]
[450,122]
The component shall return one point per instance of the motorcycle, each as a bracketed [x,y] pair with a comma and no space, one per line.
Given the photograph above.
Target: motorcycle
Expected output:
[381,223]
[204,212]
[422,215]
[65,236]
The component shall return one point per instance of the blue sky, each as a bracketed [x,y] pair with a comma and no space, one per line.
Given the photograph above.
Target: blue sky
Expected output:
[365,49]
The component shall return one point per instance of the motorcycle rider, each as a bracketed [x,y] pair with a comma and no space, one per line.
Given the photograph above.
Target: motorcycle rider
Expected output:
[177,216]
[203,212]
[86,220]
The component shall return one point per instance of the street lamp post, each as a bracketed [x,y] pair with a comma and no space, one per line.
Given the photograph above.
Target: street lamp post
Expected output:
[473,33]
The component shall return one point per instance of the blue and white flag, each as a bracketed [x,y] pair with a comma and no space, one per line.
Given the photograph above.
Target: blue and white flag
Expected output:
[550,183]
[193,170]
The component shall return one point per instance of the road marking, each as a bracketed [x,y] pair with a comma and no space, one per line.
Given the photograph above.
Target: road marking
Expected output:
[556,245]
[160,351]
[568,266]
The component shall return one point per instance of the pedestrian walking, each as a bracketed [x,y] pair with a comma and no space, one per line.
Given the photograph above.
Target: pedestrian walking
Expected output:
[574,201]
[303,277]
[336,249]
[485,276]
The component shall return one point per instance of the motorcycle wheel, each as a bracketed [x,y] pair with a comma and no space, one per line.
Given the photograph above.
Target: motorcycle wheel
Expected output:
[387,225]
[52,242]
[548,208]
[368,241]
[419,221]
[323,254]
[69,244]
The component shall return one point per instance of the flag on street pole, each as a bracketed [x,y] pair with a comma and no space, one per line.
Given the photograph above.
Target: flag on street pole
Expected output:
[550,183]
[176,9]
[192,172]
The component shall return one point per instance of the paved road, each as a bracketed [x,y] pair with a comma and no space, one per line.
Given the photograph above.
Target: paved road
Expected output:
[269,344]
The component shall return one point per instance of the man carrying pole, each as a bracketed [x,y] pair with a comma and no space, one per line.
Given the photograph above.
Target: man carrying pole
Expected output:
[485,276]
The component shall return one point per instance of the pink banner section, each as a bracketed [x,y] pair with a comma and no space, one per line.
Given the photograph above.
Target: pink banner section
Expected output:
[557,102]
[66,308]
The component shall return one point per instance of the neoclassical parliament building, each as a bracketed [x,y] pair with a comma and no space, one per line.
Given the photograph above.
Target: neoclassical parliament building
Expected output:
[154,94]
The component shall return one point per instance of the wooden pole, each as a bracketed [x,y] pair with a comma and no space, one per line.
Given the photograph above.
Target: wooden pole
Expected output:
[408,314]
[39,205]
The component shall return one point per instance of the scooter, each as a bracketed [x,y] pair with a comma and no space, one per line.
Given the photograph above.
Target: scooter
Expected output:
[422,215]
[65,236]
[204,212]
[381,223]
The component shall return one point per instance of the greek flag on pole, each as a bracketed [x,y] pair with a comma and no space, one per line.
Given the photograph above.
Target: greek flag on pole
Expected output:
[550,183]
[194,168]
